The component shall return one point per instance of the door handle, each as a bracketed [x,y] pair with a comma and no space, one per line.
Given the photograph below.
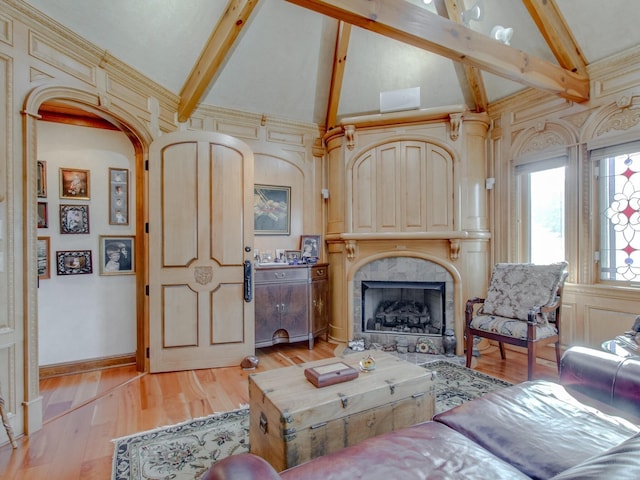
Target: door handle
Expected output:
[247,281]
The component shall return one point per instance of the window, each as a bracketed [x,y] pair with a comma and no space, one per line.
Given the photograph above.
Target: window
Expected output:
[618,172]
[542,216]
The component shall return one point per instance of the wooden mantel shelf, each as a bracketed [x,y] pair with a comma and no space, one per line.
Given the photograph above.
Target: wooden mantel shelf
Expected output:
[351,239]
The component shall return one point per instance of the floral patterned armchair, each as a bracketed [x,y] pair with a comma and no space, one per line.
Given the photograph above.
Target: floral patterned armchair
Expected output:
[522,308]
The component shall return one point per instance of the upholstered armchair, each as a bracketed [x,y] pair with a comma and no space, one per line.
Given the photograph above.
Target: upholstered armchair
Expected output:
[522,308]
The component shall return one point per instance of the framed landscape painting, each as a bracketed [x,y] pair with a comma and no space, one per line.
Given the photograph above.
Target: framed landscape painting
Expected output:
[271,210]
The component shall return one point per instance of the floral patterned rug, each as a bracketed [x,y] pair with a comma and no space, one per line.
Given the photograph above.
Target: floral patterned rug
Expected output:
[185,451]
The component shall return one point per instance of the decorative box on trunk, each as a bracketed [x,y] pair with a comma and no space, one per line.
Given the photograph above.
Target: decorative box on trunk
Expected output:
[292,421]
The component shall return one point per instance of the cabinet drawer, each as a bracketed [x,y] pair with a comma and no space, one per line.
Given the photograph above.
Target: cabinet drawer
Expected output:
[269,275]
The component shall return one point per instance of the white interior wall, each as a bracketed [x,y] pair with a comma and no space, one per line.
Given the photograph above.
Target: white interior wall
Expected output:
[86,316]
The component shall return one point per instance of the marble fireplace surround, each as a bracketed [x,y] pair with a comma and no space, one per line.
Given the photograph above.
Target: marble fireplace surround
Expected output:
[401,269]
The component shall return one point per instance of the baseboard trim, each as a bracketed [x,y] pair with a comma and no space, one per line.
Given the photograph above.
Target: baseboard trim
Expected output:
[83,366]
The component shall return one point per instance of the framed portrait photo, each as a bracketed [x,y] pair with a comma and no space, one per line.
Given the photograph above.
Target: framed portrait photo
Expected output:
[74,183]
[43,254]
[74,262]
[41,179]
[292,256]
[43,215]
[118,196]
[117,255]
[310,246]
[74,218]
[271,210]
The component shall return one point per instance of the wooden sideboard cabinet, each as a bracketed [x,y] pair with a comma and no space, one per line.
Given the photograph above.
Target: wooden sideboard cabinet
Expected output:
[292,303]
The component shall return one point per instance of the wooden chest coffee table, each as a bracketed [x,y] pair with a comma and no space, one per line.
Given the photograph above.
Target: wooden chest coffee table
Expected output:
[292,421]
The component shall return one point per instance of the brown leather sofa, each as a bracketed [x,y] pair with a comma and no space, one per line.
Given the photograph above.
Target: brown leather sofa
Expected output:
[586,426]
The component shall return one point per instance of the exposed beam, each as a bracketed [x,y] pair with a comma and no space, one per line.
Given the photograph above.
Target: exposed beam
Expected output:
[339,62]
[416,26]
[557,34]
[472,76]
[214,54]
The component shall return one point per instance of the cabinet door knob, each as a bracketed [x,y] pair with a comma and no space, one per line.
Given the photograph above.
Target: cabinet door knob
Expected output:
[319,272]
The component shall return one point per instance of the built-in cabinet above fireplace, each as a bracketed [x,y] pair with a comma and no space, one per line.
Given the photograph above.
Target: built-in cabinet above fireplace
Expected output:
[413,188]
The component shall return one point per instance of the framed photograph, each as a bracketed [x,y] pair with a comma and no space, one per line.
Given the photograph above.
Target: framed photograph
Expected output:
[74,183]
[41,179]
[43,215]
[280,255]
[74,218]
[271,210]
[117,255]
[310,246]
[118,196]
[74,262]
[292,255]
[43,252]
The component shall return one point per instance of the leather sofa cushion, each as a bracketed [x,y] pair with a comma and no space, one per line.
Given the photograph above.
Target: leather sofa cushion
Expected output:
[622,462]
[538,427]
[424,451]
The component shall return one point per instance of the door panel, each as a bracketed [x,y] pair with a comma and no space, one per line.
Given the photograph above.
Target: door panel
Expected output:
[201,219]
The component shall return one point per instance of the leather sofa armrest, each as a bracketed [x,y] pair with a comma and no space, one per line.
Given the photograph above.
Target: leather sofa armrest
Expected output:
[245,466]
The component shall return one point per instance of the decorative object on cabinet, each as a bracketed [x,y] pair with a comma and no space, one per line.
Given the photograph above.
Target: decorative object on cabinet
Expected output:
[310,246]
[43,254]
[117,255]
[294,257]
[118,196]
[74,218]
[74,262]
[74,183]
[292,304]
[272,211]
[41,179]
[280,255]
[43,215]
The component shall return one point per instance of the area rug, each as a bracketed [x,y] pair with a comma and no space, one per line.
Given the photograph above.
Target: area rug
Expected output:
[185,451]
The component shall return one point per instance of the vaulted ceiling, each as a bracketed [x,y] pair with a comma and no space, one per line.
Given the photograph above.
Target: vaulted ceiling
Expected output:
[321,60]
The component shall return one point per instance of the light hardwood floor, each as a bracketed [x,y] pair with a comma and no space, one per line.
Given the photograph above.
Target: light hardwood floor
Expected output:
[84,412]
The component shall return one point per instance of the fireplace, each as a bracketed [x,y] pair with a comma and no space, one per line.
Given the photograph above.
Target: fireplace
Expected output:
[405,288]
[403,307]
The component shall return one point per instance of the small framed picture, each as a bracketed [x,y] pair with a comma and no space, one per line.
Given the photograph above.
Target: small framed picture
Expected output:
[271,210]
[41,179]
[43,215]
[74,218]
[293,256]
[43,252]
[74,262]
[117,255]
[74,183]
[280,255]
[118,196]
[310,246]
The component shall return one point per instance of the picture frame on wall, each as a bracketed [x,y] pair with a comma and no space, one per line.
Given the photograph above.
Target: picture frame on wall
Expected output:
[117,255]
[310,246]
[271,210]
[41,179]
[74,219]
[43,215]
[74,262]
[75,183]
[118,196]
[43,254]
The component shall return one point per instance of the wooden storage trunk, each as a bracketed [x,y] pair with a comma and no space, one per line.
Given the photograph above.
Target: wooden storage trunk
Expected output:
[292,421]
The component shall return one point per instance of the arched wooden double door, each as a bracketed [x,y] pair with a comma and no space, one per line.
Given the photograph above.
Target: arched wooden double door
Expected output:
[200,234]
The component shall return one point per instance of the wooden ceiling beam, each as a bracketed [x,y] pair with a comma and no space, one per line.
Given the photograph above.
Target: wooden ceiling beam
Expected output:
[416,26]
[337,74]
[471,76]
[213,55]
[557,34]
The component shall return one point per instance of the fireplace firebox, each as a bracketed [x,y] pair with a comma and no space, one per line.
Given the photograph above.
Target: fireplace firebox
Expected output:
[403,307]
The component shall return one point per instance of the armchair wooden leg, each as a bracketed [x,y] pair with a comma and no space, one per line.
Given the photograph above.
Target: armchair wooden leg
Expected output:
[558,355]
[503,354]
[469,347]
[531,361]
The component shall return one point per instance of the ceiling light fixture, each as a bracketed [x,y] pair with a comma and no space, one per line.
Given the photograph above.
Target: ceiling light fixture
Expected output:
[427,2]
[502,34]
[475,13]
